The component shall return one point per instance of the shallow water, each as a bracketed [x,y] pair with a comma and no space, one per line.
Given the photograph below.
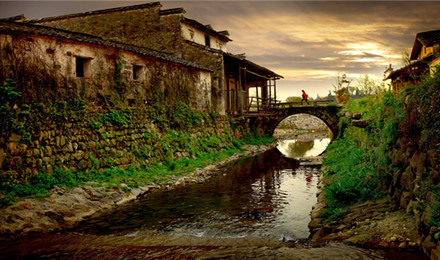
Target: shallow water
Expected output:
[255,208]
[266,196]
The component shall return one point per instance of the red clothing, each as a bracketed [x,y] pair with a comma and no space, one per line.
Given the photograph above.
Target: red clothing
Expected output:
[304,95]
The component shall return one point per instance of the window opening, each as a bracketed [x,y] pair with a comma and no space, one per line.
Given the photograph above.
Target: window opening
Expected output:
[82,65]
[137,70]
[207,41]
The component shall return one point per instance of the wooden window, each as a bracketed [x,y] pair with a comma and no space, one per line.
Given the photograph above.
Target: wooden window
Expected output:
[137,71]
[207,40]
[82,66]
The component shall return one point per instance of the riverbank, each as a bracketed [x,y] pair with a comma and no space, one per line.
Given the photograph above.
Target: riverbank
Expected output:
[64,208]
[372,224]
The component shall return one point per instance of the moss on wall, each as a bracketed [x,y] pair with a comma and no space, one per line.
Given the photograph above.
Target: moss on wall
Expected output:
[75,139]
[146,27]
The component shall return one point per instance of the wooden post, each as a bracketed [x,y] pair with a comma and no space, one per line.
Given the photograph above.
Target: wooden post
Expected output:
[239,105]
[270,91]
[244,90]
[228,93]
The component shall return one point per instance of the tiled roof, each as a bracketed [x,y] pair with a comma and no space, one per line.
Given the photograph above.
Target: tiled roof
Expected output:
[421,64]
[16,28]
[172,11]
[19,17]
[427,39]
[253,66]
[103,11]
[222,35]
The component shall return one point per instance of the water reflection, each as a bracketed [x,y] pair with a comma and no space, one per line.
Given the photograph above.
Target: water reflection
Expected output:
[302,148]
[266,196]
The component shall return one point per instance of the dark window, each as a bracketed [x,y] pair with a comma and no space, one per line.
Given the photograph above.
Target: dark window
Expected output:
[82,65]
[137,70]
[207,41]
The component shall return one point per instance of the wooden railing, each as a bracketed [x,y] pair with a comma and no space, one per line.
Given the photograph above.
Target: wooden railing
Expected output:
[261,105]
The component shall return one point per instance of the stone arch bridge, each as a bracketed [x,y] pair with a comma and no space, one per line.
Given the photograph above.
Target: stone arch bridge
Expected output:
[266,122]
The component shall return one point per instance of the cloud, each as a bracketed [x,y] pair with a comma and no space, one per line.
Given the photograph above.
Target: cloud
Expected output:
[308,42]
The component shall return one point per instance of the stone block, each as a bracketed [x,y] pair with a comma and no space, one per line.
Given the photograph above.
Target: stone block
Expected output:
[83,164]
[16,162]
[405,198]
[46,160]
[48,151]
[49,169]
[78,155]
[412,207]
[428,245]
[420,165]
[396,177]
[2,156]
[435,253]
[407,179]
[14,138]
[435,176]
[431,156]
[62,140]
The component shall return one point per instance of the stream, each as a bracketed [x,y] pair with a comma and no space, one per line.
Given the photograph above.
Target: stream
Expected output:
[255,208]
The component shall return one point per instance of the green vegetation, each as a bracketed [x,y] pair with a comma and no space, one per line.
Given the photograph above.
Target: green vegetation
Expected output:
[119,118]
[172,137]
[358,166]
[8,97]
[40,184]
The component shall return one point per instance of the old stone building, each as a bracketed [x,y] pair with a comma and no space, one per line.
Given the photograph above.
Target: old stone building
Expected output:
[49,63]
[170,31]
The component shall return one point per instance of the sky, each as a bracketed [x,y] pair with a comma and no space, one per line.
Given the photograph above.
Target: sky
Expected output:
[309,43]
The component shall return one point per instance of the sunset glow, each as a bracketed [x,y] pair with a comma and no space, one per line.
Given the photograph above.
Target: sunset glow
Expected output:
[307,42]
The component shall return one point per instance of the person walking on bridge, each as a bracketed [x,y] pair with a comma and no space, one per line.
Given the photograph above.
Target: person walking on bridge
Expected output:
[304,97]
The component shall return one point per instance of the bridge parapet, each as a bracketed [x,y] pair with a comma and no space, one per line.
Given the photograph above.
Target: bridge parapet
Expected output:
[314,103]
[326,111]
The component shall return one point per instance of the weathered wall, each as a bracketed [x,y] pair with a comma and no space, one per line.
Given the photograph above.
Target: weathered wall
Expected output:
[213,61]
[142,27]
[146,27]
[80,142]
[192,34]
[45,69]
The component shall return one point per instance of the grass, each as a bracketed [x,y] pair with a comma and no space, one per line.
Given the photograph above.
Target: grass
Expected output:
[40,184]
[357,163]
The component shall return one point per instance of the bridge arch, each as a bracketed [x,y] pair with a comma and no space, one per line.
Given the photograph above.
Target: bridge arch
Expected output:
[268,123]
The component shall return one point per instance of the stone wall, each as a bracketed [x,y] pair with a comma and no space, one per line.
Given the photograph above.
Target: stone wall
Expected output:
[82,143]
[417,171]
[139,26]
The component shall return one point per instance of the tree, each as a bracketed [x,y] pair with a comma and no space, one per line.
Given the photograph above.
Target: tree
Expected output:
[293,99]
[296,99]
[341,82]
[341,86]
[369,86]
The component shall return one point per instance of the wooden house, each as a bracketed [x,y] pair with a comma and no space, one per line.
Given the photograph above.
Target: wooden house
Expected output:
[424,58]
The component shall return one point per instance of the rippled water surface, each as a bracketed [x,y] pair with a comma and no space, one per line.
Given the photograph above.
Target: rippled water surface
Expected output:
[265,196]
